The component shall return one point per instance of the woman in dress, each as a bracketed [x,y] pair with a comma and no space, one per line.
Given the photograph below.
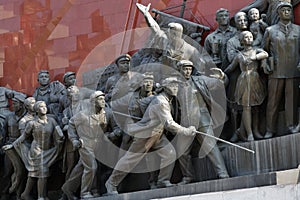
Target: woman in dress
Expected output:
[250,90]
[44,150]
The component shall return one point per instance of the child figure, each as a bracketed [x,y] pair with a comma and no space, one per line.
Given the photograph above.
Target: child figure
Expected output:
[250,91]
[257,26]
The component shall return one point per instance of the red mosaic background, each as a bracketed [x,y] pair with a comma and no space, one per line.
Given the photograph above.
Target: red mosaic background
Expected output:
[58,35]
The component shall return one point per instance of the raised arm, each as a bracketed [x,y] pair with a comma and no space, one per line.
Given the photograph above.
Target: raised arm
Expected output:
[149,19]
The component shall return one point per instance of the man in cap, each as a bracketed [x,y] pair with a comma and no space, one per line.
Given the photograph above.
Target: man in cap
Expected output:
[197,110]
[171,42]
[120,80]
[86,130]
[5,95]
[70,156]
[148,135]
[69,79]
[14,166]
[133,104]
[282,42]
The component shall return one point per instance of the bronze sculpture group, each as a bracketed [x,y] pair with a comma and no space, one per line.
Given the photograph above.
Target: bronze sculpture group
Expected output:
[255,62]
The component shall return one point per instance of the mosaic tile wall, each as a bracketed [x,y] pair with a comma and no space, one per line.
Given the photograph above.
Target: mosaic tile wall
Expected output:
[78,35]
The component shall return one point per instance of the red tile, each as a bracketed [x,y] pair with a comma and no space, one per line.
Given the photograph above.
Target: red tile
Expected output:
[64,45]
[78,27]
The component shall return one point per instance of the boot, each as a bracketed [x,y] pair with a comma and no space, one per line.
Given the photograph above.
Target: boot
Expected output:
[111,189]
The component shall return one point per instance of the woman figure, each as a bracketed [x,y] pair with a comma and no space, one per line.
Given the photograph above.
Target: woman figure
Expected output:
[250,90]
[45,147]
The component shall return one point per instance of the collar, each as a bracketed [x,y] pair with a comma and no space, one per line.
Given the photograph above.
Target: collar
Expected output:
[96,116]
[43,88]
[228,29]
[284,26]
[102,111]
[42,121]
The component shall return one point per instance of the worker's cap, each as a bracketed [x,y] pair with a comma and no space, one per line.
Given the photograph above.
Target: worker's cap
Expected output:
[183,63]
[96,94]
[175,26]
[148,75]
[169,81]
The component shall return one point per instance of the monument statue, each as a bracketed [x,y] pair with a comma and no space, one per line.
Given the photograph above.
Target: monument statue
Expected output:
[281,41]
[44,150]
[49,92]
[122,78]
[215,42]
[199,99]
[257,26]
[171,43]
[85,129]
[13,165]
[148,135]
[250,90]
[269,7]
[132,104]
[233,48]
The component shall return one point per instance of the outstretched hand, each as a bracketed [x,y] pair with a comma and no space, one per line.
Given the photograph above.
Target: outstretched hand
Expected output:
[143,8]
[217,73]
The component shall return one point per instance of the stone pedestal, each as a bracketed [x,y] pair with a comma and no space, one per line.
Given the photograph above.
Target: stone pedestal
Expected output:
[274,154]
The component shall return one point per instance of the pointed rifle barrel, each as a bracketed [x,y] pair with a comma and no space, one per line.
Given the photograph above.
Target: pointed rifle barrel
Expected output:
[211,136]
[126,115]
[221,140]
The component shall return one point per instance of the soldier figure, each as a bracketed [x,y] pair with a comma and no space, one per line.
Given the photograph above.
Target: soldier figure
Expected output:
[282,42]
[200,102]
[148,135]
[171,42]
[121,79]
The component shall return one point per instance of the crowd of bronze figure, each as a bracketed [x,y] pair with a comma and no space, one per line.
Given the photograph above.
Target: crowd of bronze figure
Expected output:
[158,106]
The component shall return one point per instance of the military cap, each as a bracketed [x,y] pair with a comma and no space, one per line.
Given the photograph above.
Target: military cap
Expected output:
[19,97]
[283,4]
[67,74]
[123,57]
